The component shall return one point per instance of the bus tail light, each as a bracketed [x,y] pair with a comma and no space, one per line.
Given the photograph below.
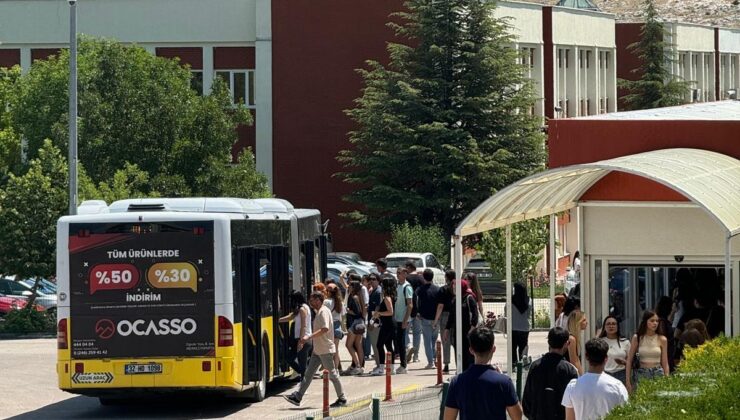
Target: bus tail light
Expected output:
[62,339]
[225,332]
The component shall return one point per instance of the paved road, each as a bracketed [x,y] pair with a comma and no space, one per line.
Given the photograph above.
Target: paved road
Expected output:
[28,389]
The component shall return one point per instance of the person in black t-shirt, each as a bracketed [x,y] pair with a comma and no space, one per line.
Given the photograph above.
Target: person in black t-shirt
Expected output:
[482,392]
[445,298]
[425,299]
[547,379]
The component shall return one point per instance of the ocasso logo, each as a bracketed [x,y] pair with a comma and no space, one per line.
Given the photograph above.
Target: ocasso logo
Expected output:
[173,326]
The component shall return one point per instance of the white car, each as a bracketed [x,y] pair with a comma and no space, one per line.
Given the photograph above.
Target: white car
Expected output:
[422,261]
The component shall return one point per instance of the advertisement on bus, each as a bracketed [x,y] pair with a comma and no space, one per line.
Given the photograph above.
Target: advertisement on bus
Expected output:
[141,289]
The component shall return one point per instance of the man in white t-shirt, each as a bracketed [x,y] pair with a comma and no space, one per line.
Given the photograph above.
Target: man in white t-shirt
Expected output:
[594,394]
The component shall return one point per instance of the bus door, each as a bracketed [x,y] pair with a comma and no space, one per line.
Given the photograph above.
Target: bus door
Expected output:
[248,272]
[307,248]
[280,292]
[323,250]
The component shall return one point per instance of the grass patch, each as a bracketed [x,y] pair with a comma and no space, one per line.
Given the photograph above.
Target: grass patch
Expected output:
[706,386]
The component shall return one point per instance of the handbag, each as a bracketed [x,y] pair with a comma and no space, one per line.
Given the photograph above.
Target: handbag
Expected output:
[636,358]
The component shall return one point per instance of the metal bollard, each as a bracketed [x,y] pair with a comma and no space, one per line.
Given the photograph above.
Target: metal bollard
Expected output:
[438,360]
[376,408]
[388,368]
[326,394]
[519,379]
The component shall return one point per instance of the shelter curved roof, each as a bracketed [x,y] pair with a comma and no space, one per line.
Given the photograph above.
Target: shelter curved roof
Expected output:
[709,179]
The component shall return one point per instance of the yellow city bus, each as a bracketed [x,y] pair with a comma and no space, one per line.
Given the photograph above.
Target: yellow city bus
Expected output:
[181,294]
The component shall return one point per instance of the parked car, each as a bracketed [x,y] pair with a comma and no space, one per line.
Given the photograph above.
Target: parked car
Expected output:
[492,286]
[45,286]
[14,288]
[11,303]
[348,258]
[422,261]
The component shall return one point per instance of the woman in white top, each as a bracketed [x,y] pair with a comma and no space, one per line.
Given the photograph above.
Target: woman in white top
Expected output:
[301,317]
[619,348]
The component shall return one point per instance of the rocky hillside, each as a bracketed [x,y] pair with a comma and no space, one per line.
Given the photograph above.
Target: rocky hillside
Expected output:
[724,13]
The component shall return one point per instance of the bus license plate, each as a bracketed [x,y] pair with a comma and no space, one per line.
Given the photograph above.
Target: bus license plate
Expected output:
[136,368]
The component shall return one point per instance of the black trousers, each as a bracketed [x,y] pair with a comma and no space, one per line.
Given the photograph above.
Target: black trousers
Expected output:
[298,359]
[467,358]
[519,341]
[399,342]
[385,342]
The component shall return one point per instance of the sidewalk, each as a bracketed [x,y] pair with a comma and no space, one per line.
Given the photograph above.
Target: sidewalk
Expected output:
[360,386]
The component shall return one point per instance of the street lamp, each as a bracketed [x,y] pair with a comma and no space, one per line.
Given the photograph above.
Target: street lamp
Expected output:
[72,160]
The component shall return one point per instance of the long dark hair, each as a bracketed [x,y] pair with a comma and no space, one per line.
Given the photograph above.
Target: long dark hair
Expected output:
[642,329]
[474,284]
[297,299]
[389,287]
[520,298]
[663,308]
[603,329]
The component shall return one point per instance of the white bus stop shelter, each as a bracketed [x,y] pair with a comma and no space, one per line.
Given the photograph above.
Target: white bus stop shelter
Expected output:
[710,180]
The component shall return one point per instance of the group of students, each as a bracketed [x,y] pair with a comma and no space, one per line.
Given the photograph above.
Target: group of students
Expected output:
[377,315]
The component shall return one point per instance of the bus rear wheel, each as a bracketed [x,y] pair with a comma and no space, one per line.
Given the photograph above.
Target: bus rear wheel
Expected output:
[259,392]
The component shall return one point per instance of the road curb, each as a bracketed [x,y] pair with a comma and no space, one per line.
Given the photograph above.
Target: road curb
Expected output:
[25,336]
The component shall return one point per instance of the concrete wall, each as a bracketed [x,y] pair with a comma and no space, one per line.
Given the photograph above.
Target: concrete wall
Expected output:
[729,40]
[690,37]
[582,27]
[640,232]
[143,21]
[525,20]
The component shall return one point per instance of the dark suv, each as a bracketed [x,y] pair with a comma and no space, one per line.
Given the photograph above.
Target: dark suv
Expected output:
[493,286]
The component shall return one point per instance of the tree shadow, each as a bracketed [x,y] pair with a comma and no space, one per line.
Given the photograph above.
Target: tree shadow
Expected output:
[176,406]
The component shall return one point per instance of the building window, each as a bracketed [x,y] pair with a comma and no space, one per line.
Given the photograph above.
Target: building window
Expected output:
[560,58]
[240,84]
[580,59]
[588,59]
[196,81]
[567,53]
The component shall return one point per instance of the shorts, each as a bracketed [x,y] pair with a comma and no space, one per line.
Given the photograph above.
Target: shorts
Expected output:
[338,333]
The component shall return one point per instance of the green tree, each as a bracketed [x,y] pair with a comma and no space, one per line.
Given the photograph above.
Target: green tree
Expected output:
[134,108]
[445,123]
[417,238]
[30,206]
[656,87]
[528,240]
[10,142]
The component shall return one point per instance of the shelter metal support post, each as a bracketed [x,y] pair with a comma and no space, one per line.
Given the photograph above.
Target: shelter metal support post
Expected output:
[729,307]
[553,268]
[509,355]
[458,265]
[735,307]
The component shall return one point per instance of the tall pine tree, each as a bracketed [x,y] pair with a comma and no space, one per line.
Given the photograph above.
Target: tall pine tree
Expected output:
[445,124]
[657,87]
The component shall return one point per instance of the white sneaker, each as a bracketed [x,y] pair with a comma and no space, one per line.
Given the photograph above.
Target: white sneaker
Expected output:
[378,371]
[393,369]
[401,370]
[357,371]
[429,366]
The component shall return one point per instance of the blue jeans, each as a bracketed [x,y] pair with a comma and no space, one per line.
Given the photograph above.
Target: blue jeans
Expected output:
[430,334]
[647,373]
[415,328]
